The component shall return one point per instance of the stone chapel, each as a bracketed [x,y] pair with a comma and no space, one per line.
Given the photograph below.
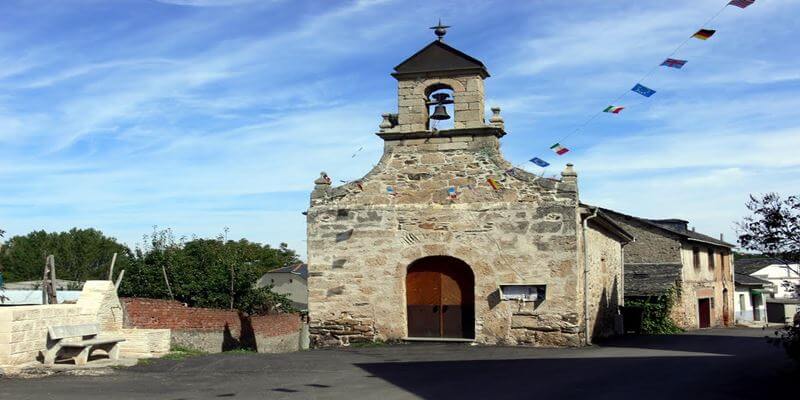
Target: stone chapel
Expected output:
[445,240]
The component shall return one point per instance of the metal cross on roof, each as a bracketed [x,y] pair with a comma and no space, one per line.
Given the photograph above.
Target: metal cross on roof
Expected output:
[440,30]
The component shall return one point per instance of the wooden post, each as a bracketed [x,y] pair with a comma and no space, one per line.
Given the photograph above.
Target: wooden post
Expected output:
[119,279]
[111,268]
[48,282]
[44,280]
[53,298]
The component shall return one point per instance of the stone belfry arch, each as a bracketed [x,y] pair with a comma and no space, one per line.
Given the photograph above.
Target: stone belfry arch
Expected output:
[429,197]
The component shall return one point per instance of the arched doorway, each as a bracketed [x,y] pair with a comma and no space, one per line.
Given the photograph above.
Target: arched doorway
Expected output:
[440,298]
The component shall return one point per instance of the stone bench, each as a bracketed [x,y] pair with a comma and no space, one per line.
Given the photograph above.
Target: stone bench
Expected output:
[63,343]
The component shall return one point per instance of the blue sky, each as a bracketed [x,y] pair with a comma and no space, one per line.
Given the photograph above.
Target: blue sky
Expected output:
[203,114]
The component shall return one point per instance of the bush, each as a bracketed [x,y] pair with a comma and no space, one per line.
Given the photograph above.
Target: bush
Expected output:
[212,273]
[656,312]
[789,338]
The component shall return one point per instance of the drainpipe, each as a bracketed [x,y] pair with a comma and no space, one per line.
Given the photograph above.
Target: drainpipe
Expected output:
[587,338]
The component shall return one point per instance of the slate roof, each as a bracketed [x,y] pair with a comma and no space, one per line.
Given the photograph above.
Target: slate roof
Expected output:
[300,269]
[651,279]
[752,265]
[672,226]
[747,280]
[607,223]
[440,57]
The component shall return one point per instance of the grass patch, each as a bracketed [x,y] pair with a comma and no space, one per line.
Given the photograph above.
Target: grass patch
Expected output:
[180,352]
[239,351]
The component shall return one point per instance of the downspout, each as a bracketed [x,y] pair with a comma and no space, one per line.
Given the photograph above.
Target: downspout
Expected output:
[587,339]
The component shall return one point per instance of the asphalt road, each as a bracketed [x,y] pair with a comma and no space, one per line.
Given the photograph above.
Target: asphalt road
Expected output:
[712,364]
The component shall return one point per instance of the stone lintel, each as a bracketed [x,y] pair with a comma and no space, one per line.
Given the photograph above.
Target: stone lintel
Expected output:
[447,133]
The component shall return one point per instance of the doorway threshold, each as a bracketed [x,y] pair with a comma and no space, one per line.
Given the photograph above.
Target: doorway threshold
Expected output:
[438,339]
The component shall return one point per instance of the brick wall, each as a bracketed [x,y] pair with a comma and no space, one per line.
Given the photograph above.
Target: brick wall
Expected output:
[154,313]
[213,330]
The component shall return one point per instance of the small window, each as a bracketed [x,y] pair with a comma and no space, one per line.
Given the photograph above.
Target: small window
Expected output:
[272,281]
[290,280]
[742,305]
[711,259]
[696,257]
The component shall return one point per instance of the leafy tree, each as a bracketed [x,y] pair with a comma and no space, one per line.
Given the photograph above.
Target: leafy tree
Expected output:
[773,229]
[215,273]
[80,254]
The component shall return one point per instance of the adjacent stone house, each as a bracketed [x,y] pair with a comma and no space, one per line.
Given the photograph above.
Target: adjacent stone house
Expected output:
[445,240]
[665,255]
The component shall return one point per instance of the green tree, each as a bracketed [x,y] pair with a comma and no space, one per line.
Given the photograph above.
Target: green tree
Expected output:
[80,254]
[215,273]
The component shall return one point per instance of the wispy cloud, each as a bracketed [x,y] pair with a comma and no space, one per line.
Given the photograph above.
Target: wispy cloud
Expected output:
[201,114]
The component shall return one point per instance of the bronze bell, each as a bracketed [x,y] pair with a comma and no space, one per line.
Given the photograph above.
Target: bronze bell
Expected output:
[439,113]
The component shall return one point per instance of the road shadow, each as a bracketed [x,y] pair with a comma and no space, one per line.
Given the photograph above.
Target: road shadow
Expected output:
[739,367]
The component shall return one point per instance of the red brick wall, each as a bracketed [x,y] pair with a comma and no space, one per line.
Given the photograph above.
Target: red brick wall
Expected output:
[154,313]
[275,325]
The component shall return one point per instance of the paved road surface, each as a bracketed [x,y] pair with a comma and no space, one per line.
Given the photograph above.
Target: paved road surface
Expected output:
[712,364]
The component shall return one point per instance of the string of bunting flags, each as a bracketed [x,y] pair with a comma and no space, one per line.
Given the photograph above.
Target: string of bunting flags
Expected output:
[615,108]
[702,34]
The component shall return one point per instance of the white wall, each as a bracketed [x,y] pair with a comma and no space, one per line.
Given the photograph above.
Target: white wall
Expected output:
[777,274]
[743,306]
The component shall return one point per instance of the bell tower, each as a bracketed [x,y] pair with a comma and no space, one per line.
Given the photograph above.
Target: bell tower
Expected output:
[429,80]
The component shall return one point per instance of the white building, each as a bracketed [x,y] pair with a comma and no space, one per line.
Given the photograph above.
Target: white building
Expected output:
[785,278]
[749,299]
[291,281]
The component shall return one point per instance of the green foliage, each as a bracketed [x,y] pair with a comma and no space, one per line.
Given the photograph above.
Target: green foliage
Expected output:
[789,338]
[656,312]
[773,228]
[211,273]
[80,254]
[180,353]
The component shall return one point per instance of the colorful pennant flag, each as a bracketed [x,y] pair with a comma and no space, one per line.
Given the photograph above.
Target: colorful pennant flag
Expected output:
[452,192]
[559,149]
[493,183]
[613,109]
[673,63]
[643,90]
[704,34]
[538,161]
[741,3]
[390,190]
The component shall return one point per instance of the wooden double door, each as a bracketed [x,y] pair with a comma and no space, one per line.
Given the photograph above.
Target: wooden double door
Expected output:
[440,298]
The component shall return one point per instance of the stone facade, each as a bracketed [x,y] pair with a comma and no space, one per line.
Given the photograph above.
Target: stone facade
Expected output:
[663,258]
[23,329]
[362,236]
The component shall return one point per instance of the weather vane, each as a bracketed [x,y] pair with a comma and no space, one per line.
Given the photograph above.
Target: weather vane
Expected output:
[440,30]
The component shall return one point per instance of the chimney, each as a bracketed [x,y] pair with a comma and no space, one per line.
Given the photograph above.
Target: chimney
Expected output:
[721,237]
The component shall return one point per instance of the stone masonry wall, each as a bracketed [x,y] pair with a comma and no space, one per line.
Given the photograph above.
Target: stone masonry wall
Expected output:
[652,246]
[605,282]
[23,329]
[468,103]
[361,239]
[214,330]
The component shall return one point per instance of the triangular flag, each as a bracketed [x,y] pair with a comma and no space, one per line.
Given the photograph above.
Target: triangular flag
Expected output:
[613,109]
[538,161]
[493,183]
